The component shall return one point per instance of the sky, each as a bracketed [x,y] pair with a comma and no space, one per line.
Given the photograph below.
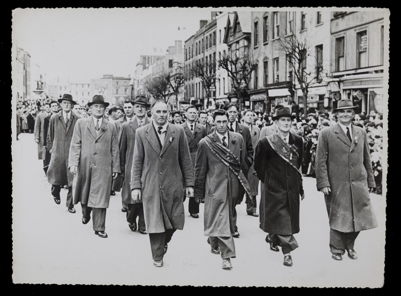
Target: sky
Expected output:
[87,43]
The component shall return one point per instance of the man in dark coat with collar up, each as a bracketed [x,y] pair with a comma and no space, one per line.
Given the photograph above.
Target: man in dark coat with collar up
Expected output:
[59,136]
[194,132]
[127,144]
[344,174]
[94,160]
[278,158]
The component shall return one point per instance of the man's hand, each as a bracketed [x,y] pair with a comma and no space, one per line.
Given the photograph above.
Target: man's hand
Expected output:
[198,200]
[136,194]
[302,196]
[326,190]
[189,191]
[37,141]
[50,151]
[115,175]
[73,169]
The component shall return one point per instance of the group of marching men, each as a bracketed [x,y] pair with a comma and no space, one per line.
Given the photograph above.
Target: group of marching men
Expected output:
[158,165]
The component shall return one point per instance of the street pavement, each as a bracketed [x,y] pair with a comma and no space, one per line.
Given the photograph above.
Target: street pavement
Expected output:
[52,246]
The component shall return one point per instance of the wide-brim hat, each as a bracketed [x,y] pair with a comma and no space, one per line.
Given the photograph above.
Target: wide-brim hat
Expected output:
[141,100]
[344,104]
[67,97]
[282,112]
[98,99]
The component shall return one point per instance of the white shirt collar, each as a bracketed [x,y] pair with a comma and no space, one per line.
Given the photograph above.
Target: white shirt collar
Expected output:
[157,126]
[221,136]
[95,120]
[189,125]
[344,128]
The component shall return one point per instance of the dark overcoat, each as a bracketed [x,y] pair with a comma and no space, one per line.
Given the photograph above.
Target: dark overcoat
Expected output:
[346,168]
[162,173]
[281,188]
[97,158]
[127,145]
[217,185]
[38,132]
[193,138]
[59,137]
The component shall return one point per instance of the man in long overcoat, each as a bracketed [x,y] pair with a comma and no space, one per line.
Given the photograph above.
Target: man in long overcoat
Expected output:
[162,175]
[127,144]
[344,174]
[94,159]
[54,108]
[219,175]
[235,126]
[194,132]
[252,178]
[59,136]
[278,158]
[38,129]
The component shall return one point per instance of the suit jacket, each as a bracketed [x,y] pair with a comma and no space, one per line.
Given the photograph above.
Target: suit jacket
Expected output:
[194,138]
[218,186]
[346,168]
[162,173]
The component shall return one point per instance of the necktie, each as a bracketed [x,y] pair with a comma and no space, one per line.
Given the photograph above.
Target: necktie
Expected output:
[159,130]
[224,141]
[349,134]
[97,127]
[231,127]
[192,127]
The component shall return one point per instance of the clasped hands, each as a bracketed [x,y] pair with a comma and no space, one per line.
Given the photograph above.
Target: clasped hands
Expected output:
[74,170]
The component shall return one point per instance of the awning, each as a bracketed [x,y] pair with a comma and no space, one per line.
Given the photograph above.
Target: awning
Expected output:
[258,97]
[279,92]
[320,90]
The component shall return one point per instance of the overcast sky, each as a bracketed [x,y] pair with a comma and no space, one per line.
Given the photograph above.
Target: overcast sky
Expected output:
[87,43]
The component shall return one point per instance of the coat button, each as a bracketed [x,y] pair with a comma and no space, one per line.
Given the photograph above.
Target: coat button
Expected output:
[160,173]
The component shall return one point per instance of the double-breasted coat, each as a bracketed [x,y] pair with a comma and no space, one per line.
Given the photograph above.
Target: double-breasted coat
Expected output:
[162,173]
[194,138]
[346,168]
[97,157]
[281,188]
[59,136]
[127,145]
[217,185]
[38,132]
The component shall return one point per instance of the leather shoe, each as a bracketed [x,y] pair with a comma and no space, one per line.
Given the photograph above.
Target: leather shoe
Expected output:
[195,216]
[158,263]
[287,260]
[112,193]
[132,226]
[142,231]
[236,234]
[57,200]
[253,214]
[124,210]
[352,254]
[85,220]
[337,257]
[227,264]
[212,250]
[102,234]
[165,248]
[71,210]
[273,247]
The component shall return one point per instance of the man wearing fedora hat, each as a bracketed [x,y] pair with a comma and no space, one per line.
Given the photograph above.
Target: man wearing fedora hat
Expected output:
[127,144]
[94,159]
[59,136]
[278,158]
[344,174]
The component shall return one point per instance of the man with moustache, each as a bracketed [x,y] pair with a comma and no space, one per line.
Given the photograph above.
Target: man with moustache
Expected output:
[127,144]
[94,160]
[344,175]
[278,158]
[252,178]
[61,127]
[220,173]
[162,175]
[194,132]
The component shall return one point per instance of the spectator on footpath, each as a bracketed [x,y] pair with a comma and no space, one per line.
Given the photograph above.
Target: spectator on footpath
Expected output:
[61,127]
[94,160]
[162,176]
[220,172]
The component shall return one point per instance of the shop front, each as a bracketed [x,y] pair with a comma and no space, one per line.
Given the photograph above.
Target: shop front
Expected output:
[316,98]
[258,102]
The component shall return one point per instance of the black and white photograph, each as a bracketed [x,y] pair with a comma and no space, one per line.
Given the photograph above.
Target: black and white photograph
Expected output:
[201,147]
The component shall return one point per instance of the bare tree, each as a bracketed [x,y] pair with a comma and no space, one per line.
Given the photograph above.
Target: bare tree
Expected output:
[206,71]
[297,52]
[158,86]
[239,69]
[176,81]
